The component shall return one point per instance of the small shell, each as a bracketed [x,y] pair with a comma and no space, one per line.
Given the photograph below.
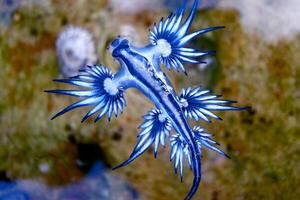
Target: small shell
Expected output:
[75,49]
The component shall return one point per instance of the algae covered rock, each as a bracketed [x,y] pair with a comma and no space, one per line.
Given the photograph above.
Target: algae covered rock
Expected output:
[263,143]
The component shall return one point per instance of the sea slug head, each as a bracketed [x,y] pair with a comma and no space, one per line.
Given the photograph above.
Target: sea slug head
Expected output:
[117,45]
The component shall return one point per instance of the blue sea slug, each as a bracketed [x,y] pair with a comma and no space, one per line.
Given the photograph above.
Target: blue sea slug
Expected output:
[140,68]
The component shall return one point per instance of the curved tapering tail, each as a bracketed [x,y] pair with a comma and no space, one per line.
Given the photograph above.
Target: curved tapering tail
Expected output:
[196,165]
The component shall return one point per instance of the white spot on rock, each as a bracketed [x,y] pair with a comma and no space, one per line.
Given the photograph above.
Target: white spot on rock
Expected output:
[44,167]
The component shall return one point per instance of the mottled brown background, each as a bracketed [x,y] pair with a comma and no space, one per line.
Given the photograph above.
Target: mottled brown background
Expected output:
[263,143]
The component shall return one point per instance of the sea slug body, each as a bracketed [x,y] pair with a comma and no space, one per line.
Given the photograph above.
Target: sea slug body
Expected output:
[140,68]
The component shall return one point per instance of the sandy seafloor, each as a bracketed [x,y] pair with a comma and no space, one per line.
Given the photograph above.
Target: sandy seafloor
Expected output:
[263,143]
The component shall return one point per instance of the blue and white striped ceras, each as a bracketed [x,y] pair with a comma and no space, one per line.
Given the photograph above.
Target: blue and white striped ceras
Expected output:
[140,68]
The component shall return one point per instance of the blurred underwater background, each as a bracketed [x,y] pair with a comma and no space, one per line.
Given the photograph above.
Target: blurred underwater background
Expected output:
[257,63]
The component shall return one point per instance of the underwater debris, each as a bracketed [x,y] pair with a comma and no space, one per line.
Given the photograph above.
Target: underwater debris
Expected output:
[75,49]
